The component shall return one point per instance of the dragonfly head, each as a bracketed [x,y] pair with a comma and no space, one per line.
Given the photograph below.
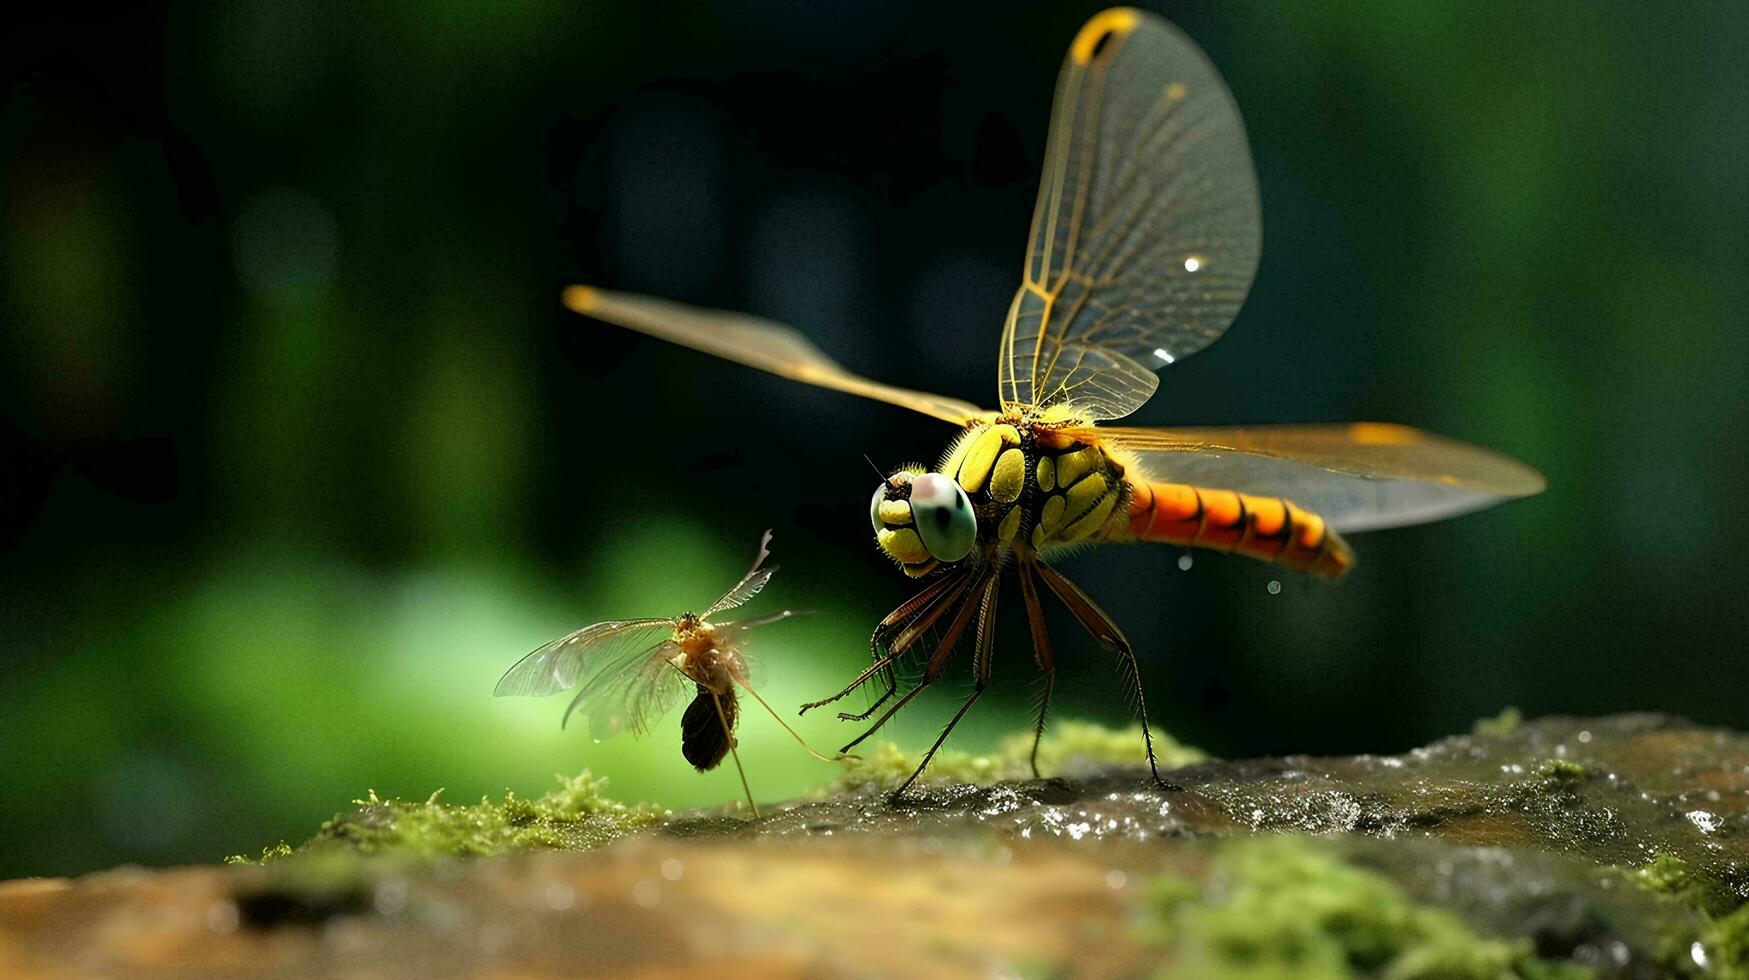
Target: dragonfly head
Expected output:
[923,520]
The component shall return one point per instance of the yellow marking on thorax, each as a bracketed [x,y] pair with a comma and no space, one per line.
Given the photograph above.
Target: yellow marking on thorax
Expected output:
[1008,478]
[1082,486]
[979,457]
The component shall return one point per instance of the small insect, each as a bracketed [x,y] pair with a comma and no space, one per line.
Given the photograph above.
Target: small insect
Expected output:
[630,672]
[1144,242]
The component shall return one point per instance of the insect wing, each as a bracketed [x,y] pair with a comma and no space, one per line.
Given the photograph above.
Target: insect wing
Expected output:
[750,584]
[1147,229]
[754,342]
[1358,477]
[631,698]
[603,647]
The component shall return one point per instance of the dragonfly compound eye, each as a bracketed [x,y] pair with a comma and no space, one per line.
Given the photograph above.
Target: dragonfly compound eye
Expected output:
[922,519]
[943,516]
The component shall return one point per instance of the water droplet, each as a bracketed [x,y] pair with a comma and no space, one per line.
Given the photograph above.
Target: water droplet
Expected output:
[1697,953]
[1164,355]
[1274,587]
[1192,263]
[1184,562]
[1704,821]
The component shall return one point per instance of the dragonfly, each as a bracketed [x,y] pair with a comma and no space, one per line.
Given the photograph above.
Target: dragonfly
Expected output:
[1143,245]
[630,672]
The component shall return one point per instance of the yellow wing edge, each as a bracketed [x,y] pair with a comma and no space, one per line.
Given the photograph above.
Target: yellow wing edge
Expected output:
[1107,24]
[1371,450]
[754,342]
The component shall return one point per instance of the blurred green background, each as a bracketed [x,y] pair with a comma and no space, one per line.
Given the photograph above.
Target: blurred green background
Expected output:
[299,453]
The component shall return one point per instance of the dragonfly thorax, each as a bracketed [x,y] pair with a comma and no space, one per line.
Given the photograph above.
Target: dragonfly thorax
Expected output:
[1027,485]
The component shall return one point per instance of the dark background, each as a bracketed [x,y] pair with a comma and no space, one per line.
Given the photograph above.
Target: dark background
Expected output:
[298,451]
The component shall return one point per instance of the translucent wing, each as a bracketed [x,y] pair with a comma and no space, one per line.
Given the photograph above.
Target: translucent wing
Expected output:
[632,698]
[1358,477]
[748,671]
[1147,229]
[754,342]
[750,583]
[601,648]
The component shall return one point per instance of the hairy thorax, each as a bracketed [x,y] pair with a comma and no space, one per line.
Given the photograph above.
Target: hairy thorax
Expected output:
[1034,487]
[699,655]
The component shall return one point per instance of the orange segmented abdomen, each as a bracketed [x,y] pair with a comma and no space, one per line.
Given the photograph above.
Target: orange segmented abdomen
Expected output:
[1266,528]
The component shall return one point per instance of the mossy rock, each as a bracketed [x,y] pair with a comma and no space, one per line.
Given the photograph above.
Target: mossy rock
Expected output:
[1550,848]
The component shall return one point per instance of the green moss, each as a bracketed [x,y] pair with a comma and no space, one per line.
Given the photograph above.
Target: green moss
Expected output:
[575,816]
[279,850]
[1724,943]
[1718,922]
[1068,745]
[1281,907]
[1560,771]
[1504,723]
[1666,874]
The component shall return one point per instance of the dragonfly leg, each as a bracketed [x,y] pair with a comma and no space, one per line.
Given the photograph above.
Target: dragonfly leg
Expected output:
[937,661]
[884,664]
[977,689]
[981,666]
[1095,621]
[892,679]
[1041,652]
[889,714]
[901,628]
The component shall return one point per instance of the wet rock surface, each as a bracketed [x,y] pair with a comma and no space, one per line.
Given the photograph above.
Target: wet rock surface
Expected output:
[1608,847]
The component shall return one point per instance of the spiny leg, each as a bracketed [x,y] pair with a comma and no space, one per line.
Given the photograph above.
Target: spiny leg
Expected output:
[892,688]
[1041,652]
[921,610]
[1095,621]
[925,610]
[940,604]
[724,721]
[986,636]
[955,629]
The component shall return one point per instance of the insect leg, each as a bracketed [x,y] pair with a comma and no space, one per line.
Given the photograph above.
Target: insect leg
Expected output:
[718,701]
[977,689]
[915,616]
[955,629]
[1095,621]
[981,662]
[1041,652]
[793,733]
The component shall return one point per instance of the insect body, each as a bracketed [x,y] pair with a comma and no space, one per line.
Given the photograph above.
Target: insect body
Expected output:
[1031,487]
[630,672]
[1144,242]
